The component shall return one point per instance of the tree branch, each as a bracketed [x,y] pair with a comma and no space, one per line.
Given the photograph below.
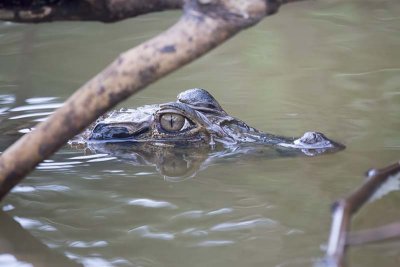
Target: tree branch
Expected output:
[98,10]
[201,28]
[38,11]
[343,209]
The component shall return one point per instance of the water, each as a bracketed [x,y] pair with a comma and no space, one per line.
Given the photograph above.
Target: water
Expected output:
[331,66]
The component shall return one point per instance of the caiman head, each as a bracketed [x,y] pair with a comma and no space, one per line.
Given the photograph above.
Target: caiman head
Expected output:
[195,119]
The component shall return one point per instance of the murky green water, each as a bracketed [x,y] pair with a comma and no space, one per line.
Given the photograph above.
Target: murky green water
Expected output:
[331,66]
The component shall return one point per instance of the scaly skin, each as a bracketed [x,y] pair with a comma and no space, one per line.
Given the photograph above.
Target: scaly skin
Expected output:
[195,120]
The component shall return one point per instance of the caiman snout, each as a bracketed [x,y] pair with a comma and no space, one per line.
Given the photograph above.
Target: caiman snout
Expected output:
[196,119]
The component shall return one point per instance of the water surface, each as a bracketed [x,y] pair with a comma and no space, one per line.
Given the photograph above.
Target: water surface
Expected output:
[331,66]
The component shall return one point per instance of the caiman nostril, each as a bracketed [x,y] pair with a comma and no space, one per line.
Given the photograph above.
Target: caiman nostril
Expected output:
[107,132]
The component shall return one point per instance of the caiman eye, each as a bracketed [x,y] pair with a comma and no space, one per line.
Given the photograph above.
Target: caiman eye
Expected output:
[172,122]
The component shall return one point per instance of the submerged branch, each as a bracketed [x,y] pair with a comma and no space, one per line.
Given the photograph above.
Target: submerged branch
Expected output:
[343,210]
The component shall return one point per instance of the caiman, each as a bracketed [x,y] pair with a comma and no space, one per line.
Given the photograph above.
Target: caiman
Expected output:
[179,138]
[196,119]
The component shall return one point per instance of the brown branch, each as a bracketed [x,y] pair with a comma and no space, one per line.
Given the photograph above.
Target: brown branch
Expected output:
[343,210]
[38,11]
[201,28]
[105,10]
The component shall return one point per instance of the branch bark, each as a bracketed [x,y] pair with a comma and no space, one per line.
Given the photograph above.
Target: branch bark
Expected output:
[343,209]
[201,28]
[36,11]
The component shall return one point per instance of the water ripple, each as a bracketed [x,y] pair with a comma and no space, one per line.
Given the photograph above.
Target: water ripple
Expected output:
[193,214]
[28,223]
[23,189]
[215,243]
[31,115]
[47,228]
[60,163]
[234,226]
[28,189]
[220,211]
[194,232]
[146,232]
[57,165]
[7,99]
[39,100]
[102,159]
[95,261]
[8,207]
[89,156]
[36,107]
[144,173]
[149,203]
[368,72]
[55,188]
[11,261]
[25,130]
[3,110]
[93,244]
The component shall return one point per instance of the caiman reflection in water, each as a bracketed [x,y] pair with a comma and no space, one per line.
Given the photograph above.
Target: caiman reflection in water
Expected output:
[181,137]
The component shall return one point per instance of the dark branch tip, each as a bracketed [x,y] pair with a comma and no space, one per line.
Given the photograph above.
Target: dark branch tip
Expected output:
[334,206]
[273,6]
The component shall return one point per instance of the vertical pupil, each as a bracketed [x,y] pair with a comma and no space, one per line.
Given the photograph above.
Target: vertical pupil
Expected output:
[172,122]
